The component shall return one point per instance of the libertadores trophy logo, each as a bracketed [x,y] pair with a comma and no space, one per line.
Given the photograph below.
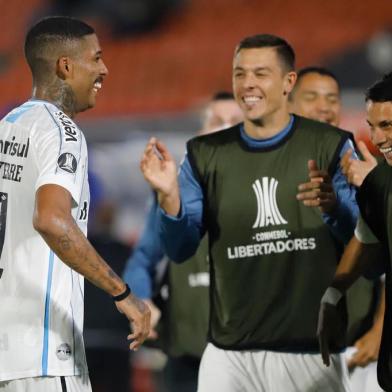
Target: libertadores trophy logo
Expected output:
[267,208]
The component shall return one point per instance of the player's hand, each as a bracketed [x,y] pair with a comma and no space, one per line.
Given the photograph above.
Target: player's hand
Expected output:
[356,170]
[329,329]
[158,167]
[368,347]
[159,170]
[318,192]
[139,315]
[155,317]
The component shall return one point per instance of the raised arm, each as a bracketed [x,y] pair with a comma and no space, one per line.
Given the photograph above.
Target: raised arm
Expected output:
[181,201]
[159,170]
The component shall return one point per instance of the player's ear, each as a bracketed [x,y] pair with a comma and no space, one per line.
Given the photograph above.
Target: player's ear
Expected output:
[289,82]
[64,67]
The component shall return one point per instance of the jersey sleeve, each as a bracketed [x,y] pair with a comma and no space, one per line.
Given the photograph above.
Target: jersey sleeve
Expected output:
[181,235]
[342,221]
[61,156]
[141,267]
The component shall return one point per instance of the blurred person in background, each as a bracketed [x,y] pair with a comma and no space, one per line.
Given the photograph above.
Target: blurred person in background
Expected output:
[316,95]
[183,315]
[44,211]
[273,238]
[221,112]
[369,251]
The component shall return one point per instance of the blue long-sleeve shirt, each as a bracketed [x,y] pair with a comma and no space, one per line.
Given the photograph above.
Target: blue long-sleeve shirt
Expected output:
[181,235]
[140,269]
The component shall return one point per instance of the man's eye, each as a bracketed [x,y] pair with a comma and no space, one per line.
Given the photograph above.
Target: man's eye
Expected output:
[309,97]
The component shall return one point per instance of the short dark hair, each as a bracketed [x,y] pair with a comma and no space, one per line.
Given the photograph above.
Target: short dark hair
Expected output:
[283,48]
[381,91]
[318,70]
[222,96]
[308,70]
[51,33]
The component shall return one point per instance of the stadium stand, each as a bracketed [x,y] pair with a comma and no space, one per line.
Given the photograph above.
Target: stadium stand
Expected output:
[190,54]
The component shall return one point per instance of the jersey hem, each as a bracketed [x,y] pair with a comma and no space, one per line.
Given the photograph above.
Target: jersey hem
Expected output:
[38,373]
[276,347]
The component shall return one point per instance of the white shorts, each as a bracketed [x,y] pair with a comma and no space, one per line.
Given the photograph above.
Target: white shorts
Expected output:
[363,379]
[48,384]
[269,371]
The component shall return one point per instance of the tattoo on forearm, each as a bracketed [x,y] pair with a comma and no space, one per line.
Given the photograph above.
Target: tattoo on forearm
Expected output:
[71,245]
[64,243]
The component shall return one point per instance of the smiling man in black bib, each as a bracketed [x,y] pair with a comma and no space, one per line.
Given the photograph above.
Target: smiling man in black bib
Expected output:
[252,188]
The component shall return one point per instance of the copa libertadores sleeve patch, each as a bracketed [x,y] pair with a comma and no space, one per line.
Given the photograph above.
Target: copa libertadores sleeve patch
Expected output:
[67,162]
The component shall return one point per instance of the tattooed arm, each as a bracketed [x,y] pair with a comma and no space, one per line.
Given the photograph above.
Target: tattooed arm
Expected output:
[53,220]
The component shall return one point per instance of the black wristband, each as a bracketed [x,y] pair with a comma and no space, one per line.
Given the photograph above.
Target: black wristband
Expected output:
[123,295]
